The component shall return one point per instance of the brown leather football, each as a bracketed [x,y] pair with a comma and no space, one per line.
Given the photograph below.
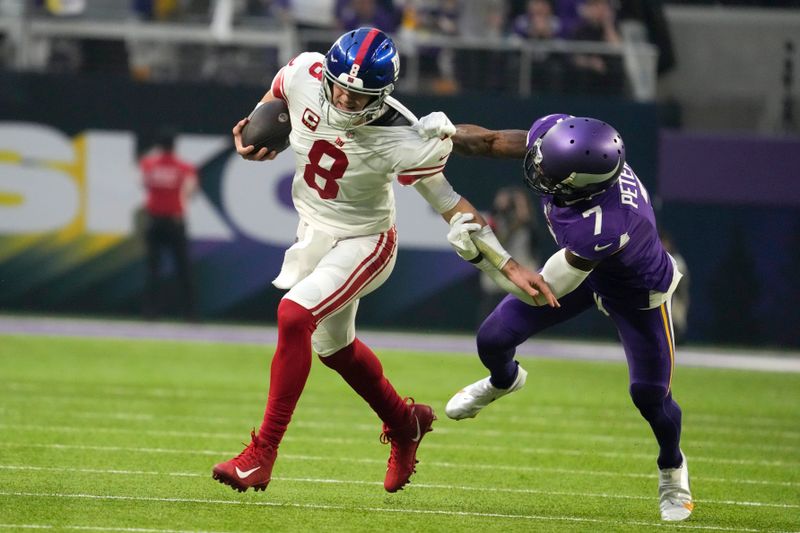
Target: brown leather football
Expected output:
[269,127]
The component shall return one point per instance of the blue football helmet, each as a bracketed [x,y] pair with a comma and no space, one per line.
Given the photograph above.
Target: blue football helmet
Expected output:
[572,158]
[364,61]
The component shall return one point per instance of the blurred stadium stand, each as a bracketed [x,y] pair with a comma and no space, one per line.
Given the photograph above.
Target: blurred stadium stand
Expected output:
[229,43]
[708,108]
[665,53]
[747,87]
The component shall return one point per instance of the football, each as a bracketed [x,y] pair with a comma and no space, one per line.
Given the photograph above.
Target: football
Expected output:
[269,127]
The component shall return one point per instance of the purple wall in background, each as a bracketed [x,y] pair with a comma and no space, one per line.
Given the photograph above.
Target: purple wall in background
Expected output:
[717,169]
[732,205]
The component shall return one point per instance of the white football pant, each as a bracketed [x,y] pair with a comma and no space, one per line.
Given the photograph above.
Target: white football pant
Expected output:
[351,269]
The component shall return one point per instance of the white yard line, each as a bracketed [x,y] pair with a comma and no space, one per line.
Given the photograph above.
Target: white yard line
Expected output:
[535,451]
[328,507]
[522,412]
[371,428]
[736,430]
[742,359]
[566,416]
[378,483]
[691,430]
[327,458]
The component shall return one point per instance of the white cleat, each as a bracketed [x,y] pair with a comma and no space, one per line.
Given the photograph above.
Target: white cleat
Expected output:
[674,494]
[471,399]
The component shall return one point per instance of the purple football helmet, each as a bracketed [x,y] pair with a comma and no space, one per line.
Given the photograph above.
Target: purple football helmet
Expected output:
[364,61]
[572,158]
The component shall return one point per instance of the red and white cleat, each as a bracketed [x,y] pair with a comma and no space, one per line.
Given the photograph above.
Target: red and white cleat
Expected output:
[405,441]
[251,468]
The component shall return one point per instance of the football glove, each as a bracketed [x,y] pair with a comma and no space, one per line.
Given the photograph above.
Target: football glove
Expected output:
[459,235]
[435,125]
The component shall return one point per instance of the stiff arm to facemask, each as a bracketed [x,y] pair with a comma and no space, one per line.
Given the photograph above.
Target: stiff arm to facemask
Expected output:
[436,124]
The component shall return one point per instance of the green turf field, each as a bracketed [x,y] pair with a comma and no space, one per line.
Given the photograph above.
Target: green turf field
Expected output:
[121,435]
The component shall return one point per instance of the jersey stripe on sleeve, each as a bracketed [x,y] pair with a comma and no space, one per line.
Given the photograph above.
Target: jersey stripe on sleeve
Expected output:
[407,177]
[277,85]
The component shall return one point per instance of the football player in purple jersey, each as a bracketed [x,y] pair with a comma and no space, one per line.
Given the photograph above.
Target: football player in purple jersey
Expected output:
[610,257]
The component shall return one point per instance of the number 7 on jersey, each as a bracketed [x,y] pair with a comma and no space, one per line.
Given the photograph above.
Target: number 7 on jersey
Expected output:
[598,221]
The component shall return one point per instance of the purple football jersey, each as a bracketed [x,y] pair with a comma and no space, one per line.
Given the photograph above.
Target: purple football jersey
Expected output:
[618,228]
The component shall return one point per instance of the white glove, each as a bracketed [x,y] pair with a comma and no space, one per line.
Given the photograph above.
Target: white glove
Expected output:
[459,235]
[435,125]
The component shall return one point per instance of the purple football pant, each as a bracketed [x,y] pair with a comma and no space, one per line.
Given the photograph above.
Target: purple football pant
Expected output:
[646,337]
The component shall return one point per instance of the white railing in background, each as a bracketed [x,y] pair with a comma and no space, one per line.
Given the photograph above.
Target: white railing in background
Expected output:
[26,35]
[640,58]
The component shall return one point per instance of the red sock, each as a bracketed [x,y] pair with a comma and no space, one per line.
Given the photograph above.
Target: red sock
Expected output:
[362,370]
[289,371]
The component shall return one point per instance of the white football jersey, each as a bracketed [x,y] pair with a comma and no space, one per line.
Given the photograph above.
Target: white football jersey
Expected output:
[343,179]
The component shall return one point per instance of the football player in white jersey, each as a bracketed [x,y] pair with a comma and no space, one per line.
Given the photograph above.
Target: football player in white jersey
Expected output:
[351,140]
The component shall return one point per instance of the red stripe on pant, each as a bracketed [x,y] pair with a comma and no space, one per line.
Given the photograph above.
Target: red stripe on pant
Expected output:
[362,276]
[352,275]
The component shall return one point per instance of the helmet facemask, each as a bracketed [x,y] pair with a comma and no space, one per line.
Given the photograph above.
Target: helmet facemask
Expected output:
[536,179]
[349,120]
[365,62]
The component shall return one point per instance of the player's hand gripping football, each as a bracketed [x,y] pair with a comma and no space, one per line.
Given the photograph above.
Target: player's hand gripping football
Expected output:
[435,125]
[249,152]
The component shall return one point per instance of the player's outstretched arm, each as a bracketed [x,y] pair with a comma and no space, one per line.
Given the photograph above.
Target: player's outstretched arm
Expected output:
[472,140]
[249,152]
[485,252]
[474,241]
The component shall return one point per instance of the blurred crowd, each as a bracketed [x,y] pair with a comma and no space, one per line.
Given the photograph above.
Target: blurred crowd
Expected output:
[441,69]
[541,19]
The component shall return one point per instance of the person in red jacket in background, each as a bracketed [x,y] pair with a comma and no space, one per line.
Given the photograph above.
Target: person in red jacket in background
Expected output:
[168,182]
